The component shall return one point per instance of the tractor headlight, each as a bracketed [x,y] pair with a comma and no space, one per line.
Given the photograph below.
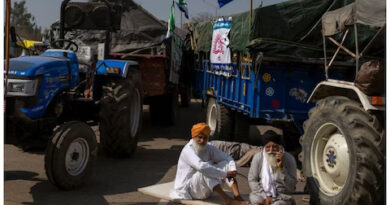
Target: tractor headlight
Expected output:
[20,87]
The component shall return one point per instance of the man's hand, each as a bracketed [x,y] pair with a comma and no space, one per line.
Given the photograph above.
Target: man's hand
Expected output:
[231,174]
[280,159]
[268,200]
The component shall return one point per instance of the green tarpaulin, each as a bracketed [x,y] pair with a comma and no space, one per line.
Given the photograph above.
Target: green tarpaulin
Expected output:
[291,28]
[203,32]
[239,34]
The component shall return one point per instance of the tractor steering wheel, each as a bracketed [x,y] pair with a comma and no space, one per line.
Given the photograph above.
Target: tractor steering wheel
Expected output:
[65,44]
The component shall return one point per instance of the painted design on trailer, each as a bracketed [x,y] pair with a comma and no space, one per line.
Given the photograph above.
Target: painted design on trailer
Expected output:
[270,91]
[267,77]
[299,94]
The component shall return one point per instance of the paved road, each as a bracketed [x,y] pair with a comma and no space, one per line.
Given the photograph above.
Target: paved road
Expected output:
[114,181]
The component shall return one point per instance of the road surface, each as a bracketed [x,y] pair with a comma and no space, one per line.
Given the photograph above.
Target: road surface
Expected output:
[114,181]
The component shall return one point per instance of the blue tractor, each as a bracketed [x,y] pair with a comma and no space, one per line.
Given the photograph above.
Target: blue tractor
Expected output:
[57,96]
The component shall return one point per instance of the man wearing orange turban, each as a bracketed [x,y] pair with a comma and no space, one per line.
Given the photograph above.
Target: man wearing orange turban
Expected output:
[203,168]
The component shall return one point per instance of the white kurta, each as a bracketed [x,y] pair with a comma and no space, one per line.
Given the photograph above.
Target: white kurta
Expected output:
[198,174]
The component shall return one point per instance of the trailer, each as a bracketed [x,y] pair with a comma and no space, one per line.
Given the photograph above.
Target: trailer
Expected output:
[258,86]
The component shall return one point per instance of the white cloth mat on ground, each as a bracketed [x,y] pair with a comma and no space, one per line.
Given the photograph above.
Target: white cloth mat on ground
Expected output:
[162,191]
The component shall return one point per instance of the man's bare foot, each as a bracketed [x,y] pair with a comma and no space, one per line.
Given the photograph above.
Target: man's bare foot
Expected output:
[239,198]
[237,202]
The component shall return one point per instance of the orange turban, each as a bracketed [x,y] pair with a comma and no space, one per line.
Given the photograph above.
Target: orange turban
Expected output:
[200,128]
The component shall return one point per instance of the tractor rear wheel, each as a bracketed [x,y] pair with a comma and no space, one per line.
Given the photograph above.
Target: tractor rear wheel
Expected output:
[120,117]
[343,153]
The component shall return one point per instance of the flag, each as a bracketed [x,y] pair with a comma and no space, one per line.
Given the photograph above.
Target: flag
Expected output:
[171,21]
[223,2]
[183,7]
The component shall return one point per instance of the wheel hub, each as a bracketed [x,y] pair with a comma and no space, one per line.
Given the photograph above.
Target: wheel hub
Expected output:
[77,156]
[330,159]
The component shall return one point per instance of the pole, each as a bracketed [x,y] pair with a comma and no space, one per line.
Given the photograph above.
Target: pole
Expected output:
[250,15]
[325,57]
[181,20]
[8,14]
[356,50]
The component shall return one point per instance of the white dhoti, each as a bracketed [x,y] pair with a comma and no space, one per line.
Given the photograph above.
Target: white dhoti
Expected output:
[202,186]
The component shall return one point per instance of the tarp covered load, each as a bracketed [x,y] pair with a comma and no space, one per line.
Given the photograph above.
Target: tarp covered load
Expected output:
[239,34]
[138,30]
[203,33]
[367,12]
[291,28]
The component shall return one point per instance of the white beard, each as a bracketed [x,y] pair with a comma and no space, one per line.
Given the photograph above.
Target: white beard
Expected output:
[198,147]
[272,161]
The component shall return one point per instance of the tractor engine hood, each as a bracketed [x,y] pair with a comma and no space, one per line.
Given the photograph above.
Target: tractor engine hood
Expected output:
[31,66]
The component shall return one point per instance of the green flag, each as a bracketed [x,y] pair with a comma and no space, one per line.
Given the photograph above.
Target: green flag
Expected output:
[182,2]
[171,21]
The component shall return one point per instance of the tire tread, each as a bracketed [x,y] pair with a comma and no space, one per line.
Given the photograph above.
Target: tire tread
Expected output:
[367,135]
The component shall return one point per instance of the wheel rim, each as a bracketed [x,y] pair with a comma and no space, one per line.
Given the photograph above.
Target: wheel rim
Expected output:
[212,119]
[330,159]
[135,110]
[77,156]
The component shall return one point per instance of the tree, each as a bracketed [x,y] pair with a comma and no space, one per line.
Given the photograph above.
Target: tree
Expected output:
[24,22]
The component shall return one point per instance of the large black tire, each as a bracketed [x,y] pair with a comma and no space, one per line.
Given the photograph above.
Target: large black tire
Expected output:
[220,120]
[70,155]
[343,120]
[164,109]
[121,116]
[241,127]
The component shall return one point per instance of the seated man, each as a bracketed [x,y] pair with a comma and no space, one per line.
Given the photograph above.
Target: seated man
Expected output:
[272,175]
[203,168]
[241,152]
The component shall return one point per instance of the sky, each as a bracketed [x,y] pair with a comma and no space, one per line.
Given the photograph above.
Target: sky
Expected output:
[48,11]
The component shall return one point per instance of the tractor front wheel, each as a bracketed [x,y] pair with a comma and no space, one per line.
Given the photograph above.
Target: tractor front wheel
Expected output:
[70,155]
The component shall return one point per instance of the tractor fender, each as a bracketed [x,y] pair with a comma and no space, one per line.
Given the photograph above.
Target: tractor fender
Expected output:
[118,68]
[342,88]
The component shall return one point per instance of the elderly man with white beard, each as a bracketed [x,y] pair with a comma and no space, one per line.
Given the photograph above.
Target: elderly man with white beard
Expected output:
[272,176]
[203,168]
